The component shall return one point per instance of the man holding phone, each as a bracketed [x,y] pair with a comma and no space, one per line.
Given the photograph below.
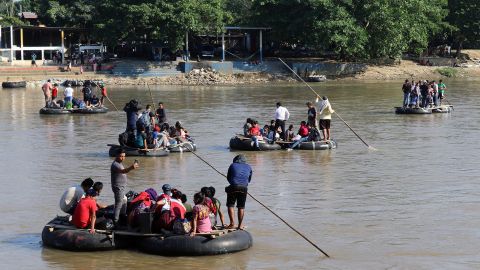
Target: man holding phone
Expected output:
[119,185]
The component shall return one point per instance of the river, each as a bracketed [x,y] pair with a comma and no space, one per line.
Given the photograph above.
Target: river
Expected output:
[411,204]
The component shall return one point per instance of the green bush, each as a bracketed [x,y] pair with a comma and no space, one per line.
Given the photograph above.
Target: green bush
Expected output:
[447,71]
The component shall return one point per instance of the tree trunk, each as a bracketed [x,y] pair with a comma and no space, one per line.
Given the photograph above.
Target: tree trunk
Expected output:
[459,48]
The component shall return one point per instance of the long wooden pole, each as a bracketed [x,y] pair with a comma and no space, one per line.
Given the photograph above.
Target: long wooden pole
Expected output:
[262,204]
[318,96]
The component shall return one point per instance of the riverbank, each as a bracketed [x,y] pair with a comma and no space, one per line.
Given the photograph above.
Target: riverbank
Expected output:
[205,76]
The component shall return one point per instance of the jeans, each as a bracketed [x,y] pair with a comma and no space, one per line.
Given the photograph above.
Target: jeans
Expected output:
[406,98]
[120,202]
[435,99]
[297,143]
[255,140]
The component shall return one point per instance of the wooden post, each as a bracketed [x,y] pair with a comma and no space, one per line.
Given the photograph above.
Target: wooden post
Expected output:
[21,44]
[43,56]
[0,36]
[11,44]
[62,35]
[261,47]
[186,47]
[223,46]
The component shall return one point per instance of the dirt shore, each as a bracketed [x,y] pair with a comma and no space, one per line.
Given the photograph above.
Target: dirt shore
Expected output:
[405,70]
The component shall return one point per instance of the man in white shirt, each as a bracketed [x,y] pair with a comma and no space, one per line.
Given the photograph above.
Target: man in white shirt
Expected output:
[68,93]
[73,195]
[281,115]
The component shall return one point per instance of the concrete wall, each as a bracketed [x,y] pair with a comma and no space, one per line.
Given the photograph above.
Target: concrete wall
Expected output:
[327,68]
[276,67]
[221,67]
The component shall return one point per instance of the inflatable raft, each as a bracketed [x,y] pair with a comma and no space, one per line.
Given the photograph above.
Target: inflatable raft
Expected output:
[60,234]
[200,245]
[91,110]
[133,152]
[320,145]
[443,109]
[243,143]
[20,84]
[183,147]
[406,110]
[45,110]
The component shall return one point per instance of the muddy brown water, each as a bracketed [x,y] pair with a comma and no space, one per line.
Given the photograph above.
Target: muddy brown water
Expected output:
[413,204]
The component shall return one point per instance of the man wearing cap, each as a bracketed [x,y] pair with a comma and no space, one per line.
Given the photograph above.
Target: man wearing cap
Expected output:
[281,116]
[72,196]
[68,93]
[239,176]
[119,184]
[164,198]
[85,213]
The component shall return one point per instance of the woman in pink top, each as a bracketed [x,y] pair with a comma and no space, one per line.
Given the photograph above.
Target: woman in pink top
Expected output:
[201,220]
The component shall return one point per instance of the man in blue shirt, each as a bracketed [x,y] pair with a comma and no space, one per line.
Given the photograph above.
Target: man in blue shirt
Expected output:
[239,175]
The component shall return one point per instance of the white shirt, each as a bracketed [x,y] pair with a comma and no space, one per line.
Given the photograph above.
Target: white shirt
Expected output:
[282,113]
[71,197]
[68,92]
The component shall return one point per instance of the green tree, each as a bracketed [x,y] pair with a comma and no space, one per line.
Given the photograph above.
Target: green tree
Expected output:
[465,17]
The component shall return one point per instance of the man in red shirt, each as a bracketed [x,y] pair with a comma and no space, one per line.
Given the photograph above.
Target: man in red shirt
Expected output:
[84,215]
[104,94]
[54,91]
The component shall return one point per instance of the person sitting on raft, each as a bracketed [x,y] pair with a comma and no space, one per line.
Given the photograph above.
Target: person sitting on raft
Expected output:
[247,126]
[290,133]
[85,212]
[180,133]
[201,215]
[141,139]
[217,205]
[94,101]
[140,204]
[72,196]
[168,209]
[302,136]
[254,134]
[188,207]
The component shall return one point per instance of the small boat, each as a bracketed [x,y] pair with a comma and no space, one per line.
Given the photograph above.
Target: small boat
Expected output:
[46,110]
[183,147]
[442,109]
[60,234]
[136,152]
[240,142]
[20,84]
[91,110]
[214,243]
[407,110]
[316,78]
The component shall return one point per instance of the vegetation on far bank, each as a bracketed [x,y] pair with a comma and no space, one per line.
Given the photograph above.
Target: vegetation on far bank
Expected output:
[345,29]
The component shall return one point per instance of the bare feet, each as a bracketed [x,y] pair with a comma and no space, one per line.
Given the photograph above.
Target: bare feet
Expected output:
[230,226]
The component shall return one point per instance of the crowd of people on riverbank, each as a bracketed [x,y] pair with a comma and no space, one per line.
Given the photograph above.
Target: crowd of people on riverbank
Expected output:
[308,130]
[150,129]
[170,209]
[90,99]
[423,94]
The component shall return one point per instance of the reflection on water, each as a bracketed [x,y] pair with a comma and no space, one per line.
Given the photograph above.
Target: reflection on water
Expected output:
[411,204]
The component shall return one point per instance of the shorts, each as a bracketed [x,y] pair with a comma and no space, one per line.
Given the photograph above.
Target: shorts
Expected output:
[324,124]
[236,194]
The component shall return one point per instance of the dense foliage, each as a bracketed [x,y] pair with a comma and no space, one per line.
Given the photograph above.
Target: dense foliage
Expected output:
[349,29]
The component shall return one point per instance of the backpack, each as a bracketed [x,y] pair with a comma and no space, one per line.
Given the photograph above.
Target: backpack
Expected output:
[87,91]
[143,120]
